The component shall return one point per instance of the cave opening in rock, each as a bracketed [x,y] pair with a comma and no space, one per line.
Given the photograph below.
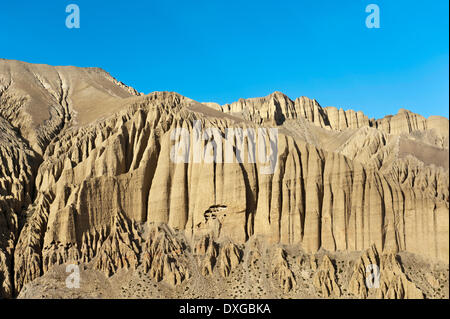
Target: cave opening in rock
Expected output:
[211,212]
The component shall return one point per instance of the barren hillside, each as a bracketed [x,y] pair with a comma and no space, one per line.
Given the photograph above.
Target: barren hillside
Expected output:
[87,176]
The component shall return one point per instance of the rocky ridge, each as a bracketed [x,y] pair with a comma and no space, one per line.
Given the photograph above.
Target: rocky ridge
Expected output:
[86,177]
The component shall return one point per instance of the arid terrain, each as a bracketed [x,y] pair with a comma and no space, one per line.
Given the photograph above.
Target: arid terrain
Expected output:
[88,177]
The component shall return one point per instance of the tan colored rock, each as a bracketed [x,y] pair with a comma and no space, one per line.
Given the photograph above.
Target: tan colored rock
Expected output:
[120,249]
[230,256]
[162,256]
[432,281]
[282,272]
[386,278]
[325,279]
[207,250]
[87,180]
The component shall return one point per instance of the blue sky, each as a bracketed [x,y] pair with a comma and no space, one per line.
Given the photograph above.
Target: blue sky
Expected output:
[223,50]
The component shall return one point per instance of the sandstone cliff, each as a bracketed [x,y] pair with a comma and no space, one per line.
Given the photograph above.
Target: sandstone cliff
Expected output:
[87,176]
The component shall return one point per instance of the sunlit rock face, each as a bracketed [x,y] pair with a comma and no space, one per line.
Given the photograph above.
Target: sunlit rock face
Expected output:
[90,173]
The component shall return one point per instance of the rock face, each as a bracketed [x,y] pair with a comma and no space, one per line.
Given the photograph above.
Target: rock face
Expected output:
[93,172]
[278,108]
[387,278]
[325,279]
[282,272]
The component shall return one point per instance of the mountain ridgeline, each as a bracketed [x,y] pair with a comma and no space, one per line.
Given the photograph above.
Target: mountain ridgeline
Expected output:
[86,177]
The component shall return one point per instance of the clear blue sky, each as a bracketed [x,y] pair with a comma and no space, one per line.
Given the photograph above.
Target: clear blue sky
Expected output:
[222,50]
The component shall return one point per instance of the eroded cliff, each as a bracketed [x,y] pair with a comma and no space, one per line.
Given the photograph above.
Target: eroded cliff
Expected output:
[93,172]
